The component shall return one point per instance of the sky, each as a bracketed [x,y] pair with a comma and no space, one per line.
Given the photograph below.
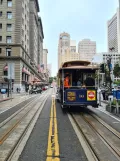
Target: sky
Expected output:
[80,18]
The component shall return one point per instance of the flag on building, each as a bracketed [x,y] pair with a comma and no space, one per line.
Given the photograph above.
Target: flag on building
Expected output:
[41,68]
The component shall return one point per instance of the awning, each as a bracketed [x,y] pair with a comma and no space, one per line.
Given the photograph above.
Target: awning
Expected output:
[5,68]
[25,71]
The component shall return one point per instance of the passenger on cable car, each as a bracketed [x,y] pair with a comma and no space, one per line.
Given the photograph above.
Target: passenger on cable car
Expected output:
[67,81]
[84,86]
[79,83]
[90,82]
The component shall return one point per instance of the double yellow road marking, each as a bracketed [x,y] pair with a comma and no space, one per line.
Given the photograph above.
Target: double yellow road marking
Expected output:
[53,146]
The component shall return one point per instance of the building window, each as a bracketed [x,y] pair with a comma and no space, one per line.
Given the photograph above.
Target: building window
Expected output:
[0,38]
[22,10]
[22,43]
[22,32]
[0,25]
[1,1]
[23,53]
[9,3]
[0,13]
[9,27]
[9,39]
[0,50]
[8,52]
[9,15]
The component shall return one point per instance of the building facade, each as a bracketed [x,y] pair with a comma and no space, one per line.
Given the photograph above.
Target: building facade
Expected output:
[114,32]
[72,46]
[40,41]
[45,53]
[34,9]
[63,45]
[16,41]
[86,49]
[70,56]
[49,66]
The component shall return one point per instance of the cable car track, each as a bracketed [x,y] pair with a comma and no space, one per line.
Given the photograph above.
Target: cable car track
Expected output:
[102,140]
[11,127]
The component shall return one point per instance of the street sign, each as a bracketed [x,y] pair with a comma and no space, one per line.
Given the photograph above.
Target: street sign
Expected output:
[11,71]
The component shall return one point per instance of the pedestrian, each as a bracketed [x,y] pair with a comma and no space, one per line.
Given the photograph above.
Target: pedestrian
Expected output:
[17,90]
[79,83]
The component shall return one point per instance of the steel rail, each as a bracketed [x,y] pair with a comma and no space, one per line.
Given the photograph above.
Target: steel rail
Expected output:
[14,149]
[114,151]
[10,129]
[117,151]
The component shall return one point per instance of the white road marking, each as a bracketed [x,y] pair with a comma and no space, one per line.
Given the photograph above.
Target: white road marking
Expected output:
[5,110]
[116,122]
[8,108]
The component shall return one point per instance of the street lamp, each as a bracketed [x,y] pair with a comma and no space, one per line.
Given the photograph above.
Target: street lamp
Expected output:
[109,66]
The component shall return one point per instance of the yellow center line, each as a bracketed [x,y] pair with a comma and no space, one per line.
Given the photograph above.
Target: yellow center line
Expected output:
[53,146]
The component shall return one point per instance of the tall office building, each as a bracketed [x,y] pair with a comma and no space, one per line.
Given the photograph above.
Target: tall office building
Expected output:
[70,56]
[63,45]
[86,49]
[113,26]
[72,46]
[19,42]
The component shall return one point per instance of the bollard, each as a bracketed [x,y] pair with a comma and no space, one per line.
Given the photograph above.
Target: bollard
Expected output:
[100,98]
[110,105]
[117,107]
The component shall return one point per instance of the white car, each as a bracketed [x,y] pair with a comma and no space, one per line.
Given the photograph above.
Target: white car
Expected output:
[51,86]
[46,87]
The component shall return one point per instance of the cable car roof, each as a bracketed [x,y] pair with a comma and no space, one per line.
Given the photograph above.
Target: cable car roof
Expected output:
[81,67]
[76,63]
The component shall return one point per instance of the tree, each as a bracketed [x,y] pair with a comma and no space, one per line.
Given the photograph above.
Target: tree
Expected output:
[55,78]
[50,79]
[116,70]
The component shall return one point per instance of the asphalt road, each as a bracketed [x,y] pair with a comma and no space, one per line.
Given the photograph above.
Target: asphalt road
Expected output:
[36,147]
[8,113]
[69,145]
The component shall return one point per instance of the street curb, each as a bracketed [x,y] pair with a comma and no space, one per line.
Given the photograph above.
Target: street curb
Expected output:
[106,102]
[6,99]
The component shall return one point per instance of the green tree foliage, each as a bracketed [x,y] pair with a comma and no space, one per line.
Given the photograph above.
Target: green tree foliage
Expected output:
[50,79]
[117,82]
[116,70]
[55,78]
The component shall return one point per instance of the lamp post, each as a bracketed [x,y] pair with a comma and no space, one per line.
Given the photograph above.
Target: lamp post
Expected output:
[109,68]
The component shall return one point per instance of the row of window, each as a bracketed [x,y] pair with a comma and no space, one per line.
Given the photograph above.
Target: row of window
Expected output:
[9,3]
[9,14]
[8,51]
[8,39]
[8,27]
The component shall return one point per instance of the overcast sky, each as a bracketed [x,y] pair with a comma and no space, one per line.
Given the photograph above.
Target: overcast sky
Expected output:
[80,18]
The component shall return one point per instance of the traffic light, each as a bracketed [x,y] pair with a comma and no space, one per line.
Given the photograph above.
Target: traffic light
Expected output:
[102,68]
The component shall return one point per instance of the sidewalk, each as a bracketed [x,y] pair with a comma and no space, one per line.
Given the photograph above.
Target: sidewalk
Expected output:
[105,101]
[16,99]
[14,95]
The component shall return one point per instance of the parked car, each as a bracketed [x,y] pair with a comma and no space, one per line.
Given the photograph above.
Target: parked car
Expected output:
[51,86]
[46,87]
[43,88]
[35,91]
